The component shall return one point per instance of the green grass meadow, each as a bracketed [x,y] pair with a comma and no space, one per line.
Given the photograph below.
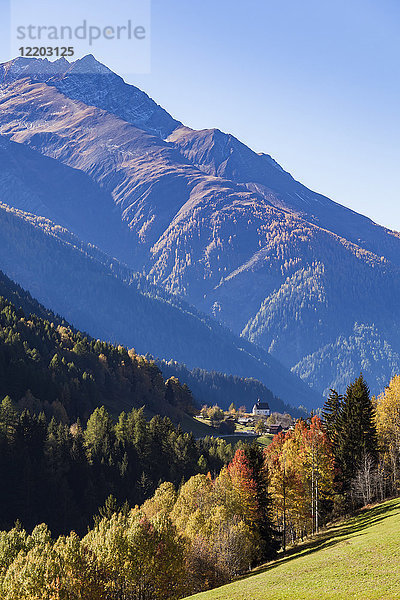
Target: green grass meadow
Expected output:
[265,440]
[358,559]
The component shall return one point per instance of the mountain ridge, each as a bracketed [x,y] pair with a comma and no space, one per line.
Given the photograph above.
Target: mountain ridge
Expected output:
[209,219]
[69,78]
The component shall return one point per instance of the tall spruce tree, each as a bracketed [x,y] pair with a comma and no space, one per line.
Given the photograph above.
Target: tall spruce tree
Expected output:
[356,430]
[330,414]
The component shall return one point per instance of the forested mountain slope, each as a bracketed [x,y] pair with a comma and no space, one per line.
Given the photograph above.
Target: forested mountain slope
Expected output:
[49,368]
[221,154]
[206,387]
[205,217]
[62,453]
[104,298]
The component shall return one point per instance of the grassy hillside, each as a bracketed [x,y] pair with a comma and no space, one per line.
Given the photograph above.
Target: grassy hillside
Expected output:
[265,440]
[357,559]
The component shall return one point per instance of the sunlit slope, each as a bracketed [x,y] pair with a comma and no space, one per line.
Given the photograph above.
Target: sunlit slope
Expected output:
[356,560]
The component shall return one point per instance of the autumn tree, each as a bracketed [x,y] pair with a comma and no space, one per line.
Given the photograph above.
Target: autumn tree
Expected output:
[388,431]
[319,470]
[243,480]
[143,557]
[301,469]
[280,475]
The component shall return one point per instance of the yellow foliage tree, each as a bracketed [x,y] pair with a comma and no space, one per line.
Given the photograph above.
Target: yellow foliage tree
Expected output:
[388,430]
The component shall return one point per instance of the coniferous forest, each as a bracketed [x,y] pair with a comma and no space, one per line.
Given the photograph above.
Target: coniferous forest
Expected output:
[51,368]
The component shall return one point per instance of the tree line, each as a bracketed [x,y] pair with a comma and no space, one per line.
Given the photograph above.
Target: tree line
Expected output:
[181,540]
[327,467]
[60,474]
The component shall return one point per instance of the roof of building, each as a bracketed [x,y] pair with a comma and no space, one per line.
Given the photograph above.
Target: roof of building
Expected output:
[261,405]
[275,428]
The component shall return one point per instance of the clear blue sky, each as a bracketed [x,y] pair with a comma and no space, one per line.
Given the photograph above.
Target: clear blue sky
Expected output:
[313,83]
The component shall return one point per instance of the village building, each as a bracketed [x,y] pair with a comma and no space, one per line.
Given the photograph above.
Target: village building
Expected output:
[261,409]
[245,420]
[274,429]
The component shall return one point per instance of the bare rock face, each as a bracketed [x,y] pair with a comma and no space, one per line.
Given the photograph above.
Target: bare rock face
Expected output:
[204,217]
[94,84]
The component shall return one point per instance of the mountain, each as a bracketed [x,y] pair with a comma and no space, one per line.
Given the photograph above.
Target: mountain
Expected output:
[99,295]
[207,387]
[205,217]
[219,154]
[94,84]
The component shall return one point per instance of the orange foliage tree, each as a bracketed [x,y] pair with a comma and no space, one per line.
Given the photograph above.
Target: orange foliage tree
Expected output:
[301,471]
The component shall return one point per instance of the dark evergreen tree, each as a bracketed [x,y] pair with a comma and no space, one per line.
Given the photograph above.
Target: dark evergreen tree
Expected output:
[331,412]
[356,431]
[59,474]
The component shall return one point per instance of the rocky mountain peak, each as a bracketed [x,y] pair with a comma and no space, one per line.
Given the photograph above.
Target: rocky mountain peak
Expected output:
[79,80]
